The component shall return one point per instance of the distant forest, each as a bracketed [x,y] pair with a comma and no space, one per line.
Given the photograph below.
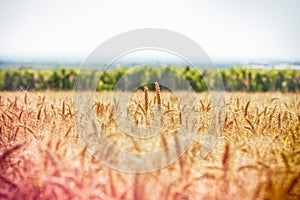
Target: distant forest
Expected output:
[235,78]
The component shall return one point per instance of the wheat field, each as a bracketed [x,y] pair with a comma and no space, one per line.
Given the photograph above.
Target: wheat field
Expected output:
[257,155]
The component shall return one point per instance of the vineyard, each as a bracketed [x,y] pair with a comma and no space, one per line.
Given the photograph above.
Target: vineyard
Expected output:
[257,155]
[235,78]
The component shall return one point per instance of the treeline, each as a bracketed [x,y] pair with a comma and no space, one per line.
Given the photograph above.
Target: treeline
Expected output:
[235,78]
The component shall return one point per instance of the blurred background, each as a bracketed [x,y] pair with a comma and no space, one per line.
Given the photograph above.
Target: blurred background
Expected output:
[61,34]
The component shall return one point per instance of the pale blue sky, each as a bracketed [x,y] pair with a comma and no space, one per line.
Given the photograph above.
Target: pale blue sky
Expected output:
[231,29]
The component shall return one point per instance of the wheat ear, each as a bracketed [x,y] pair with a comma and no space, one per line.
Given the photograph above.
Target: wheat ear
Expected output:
[146,104]
[158,98]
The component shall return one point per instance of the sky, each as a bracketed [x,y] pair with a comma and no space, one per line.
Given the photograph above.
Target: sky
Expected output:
[226,30]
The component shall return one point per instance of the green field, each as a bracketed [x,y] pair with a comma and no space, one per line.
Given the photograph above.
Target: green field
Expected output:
[235,78]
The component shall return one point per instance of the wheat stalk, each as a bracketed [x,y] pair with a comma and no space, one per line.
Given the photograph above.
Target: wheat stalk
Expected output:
[279,121]
[225,162]
[158,97]
[146,104]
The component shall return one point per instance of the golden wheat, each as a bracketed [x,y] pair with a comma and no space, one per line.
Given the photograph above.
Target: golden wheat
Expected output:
[256,157]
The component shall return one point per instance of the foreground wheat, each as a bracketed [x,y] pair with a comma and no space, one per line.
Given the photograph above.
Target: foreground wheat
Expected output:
[257,156]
